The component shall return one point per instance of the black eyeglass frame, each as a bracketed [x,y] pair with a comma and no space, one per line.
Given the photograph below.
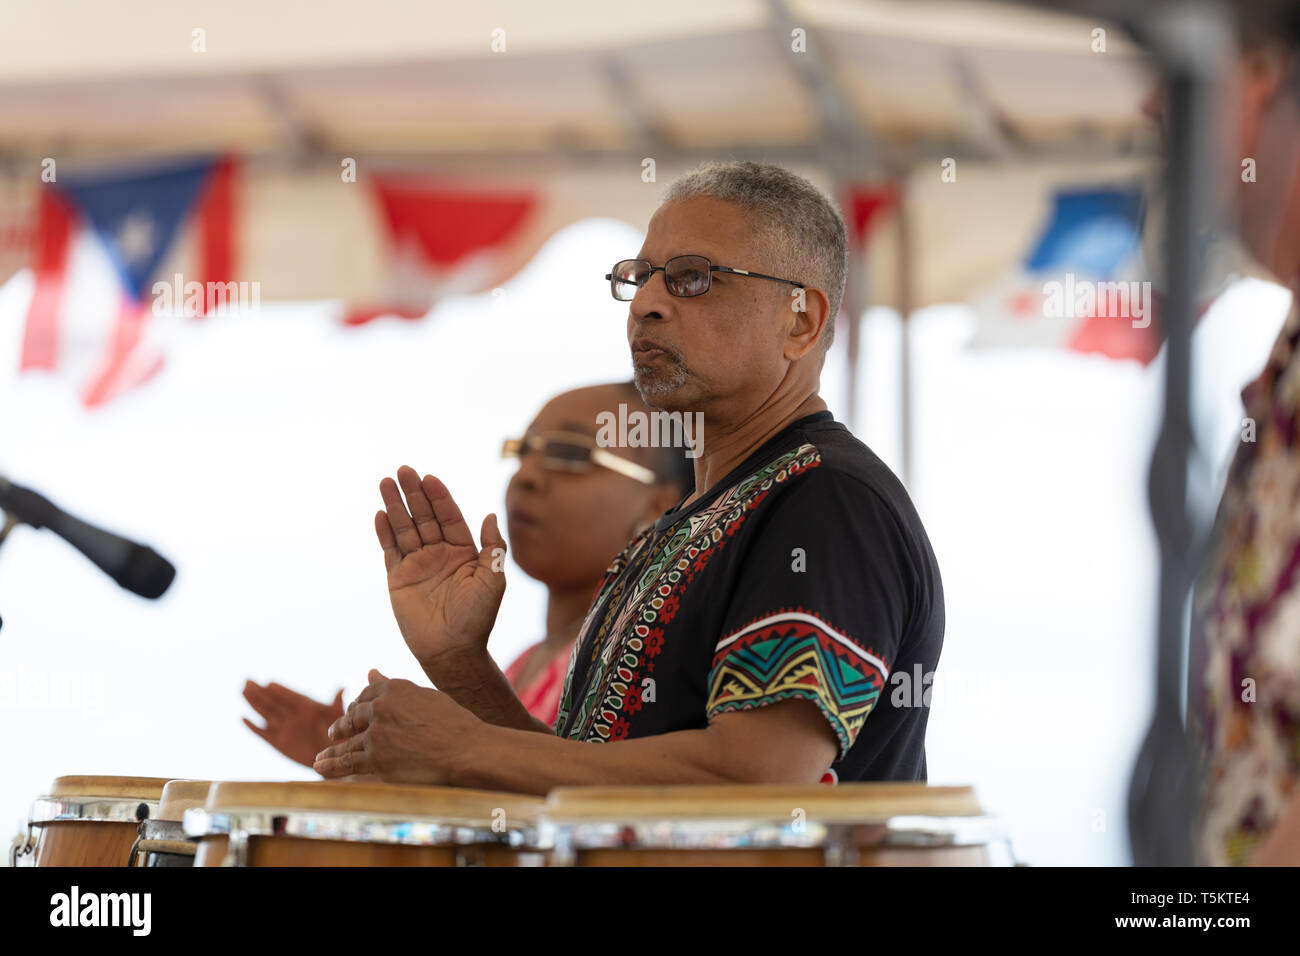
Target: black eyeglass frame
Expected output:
[689,255]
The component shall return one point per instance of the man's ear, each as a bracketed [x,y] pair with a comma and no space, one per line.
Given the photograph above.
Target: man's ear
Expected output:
[1264,70]
[802,329]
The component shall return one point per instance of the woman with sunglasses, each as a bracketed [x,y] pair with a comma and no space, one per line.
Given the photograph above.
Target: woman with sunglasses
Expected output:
[571,507]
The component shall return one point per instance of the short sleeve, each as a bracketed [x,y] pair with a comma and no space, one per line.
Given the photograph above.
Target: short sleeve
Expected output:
[819,605]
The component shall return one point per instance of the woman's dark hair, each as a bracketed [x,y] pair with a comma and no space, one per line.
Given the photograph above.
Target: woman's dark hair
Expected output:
[676,469]
[1267,21]
[1271,23]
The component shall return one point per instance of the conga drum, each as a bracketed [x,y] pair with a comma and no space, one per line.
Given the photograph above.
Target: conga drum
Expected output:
[90,821]
[848,824]
[338,823]
[162,840]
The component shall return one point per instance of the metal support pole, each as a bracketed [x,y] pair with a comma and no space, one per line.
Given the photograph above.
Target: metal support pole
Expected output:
[856,297]
[905,471]
[1190,40]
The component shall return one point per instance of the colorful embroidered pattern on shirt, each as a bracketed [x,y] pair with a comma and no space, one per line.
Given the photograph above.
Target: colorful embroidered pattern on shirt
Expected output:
[631,631]
[1247,604]
[795,654]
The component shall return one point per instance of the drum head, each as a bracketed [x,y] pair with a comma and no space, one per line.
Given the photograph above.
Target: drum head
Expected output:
[352,812]
[83,798]
[841,803]
[864,823]
[472,807]
[136,788]
[179,796]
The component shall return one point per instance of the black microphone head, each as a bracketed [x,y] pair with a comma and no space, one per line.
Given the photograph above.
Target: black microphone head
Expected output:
[146,573]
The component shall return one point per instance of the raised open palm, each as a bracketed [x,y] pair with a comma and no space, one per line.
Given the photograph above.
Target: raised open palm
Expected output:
[444,590]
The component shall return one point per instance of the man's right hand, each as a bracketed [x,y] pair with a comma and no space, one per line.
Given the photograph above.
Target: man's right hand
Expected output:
[444,590]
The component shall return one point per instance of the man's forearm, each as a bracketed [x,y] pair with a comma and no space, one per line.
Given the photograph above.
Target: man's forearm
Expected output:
[508,760]
[477,684]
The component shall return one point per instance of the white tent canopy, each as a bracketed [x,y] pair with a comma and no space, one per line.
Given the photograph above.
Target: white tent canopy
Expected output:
[568,99]
[80,78]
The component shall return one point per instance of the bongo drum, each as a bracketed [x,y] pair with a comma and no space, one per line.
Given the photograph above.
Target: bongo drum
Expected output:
[161,839]
[89,821]
[848,824]
[337,823]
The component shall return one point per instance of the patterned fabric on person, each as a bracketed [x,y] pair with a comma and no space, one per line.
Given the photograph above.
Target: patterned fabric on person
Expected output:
[1244,667]
[805,574]
[541,696]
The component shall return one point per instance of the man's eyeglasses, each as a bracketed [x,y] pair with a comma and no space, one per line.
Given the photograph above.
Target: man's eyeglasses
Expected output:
[574,451]
[684,276]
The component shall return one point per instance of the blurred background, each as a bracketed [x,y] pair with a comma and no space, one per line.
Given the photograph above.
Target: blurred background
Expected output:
[416,204]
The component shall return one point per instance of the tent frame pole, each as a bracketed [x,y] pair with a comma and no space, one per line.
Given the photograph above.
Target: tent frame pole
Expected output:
[906,472]
[1190,40]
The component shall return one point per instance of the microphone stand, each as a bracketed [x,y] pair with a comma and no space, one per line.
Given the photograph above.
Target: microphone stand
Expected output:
[134,566]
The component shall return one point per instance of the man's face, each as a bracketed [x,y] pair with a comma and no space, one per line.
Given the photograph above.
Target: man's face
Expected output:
[1258,123]
[720,351]
[1268,134]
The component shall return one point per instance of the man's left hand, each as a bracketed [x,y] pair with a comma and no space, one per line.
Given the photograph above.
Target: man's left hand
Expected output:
[401,733]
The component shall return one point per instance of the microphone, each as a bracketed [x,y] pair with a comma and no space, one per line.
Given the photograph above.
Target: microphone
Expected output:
[139,569]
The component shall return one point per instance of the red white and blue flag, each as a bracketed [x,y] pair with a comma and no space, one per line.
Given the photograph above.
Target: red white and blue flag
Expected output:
[1078,286]
[1091,282]
[443,240]
[135,218]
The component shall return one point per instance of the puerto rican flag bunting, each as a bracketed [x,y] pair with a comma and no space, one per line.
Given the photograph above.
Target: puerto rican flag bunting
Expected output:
[135,216]
[443,240]
[55,224]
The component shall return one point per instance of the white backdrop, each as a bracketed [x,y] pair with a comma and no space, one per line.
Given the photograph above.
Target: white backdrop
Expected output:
[252,461]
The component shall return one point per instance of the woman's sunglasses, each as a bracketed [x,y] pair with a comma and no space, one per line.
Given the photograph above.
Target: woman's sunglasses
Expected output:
[574,451]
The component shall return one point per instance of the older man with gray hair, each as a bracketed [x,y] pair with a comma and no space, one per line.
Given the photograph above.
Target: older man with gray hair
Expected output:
[750,634]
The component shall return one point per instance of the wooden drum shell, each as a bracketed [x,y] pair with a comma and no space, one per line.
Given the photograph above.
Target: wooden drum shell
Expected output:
[91,820]
[343,823]
[853,824]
